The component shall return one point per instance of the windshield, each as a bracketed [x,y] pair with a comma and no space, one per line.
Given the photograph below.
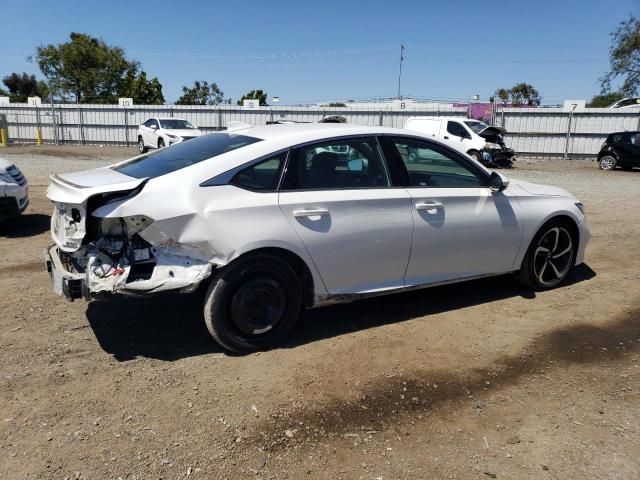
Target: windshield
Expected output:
[476,127]
[176,124]
[184,154]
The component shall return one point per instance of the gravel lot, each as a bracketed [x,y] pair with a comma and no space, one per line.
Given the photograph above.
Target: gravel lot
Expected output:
[479,380]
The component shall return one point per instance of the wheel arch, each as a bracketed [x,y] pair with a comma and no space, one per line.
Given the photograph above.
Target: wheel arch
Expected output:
[574,230]
[296,262]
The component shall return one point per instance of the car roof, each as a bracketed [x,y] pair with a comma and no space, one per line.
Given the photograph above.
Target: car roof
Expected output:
[307,132]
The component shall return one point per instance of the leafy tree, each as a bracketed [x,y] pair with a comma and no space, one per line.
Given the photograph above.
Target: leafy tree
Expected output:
[335,104]
[22,86]
[624,58]
[201,94]
[525,94]
[86,67]
[254,95]
[3,93]
[518,95]
[605,99]
[503,95]
[143,91]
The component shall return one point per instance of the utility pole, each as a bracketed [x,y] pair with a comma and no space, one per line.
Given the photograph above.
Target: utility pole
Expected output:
[400,73]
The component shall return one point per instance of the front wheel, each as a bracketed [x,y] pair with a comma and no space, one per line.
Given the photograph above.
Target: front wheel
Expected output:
[608,162]
[550,256]
[141,146]
[253,303]
[161,143]
[476,155]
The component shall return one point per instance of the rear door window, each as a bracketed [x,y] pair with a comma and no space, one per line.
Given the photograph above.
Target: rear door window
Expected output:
[454,128]
[184,154]
[338,164]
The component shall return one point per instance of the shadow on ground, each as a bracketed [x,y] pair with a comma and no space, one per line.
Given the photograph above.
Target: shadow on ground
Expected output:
[25,225]
[171,327]
[383,403]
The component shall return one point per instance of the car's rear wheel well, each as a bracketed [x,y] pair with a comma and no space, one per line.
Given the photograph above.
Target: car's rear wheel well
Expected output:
[298,265]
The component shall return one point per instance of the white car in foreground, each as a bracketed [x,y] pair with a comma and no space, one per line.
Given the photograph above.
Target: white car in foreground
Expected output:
[14,190]
[276,218]
[162,132]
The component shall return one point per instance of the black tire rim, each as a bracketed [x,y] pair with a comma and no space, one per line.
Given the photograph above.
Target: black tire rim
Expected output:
[553,256]
[257,306]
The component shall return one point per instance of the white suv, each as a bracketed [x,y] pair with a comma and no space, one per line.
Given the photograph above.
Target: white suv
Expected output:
[162,132]
[14,190]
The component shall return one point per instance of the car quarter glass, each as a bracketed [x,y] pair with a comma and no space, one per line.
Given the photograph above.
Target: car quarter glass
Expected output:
[262,176]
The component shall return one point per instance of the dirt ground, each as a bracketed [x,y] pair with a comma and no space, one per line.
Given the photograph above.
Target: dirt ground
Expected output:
[472,381]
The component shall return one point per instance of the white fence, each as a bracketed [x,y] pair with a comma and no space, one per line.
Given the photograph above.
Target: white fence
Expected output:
[543,132]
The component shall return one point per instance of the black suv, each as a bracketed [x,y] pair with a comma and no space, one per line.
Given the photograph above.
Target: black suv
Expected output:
[620,149]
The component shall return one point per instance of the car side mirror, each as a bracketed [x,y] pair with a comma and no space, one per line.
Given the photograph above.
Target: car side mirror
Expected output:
[498,182]
[153,127]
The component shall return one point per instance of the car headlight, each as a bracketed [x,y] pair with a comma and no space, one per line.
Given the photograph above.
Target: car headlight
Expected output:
[6,178]
[172,136]
[492,146]
[580,207]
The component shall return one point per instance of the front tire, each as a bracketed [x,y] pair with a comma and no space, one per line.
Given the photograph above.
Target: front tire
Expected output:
[253,303]
[550,256]
[607,163]
[161,143]
[142,148]
[476,155]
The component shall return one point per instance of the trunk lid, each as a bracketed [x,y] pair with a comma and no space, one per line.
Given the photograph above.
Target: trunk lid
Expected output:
[72,193]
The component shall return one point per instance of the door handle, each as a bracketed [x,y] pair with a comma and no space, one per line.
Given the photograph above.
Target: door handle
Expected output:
[446,137]
[429,205]
[310,212]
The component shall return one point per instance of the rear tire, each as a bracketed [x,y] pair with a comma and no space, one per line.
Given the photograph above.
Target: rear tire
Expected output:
[550,256]
[142,148]
[253,303]
[607,163]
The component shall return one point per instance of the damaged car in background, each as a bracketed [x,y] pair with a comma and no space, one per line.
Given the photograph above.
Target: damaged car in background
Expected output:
[273,219]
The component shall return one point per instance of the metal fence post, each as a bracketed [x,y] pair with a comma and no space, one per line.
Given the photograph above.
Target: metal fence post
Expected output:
[381,120]
[53,122]
[38,127]
[568,137]
[80,125]
[126,127]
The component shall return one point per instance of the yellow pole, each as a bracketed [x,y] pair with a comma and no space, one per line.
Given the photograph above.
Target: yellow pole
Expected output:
[3,138]
[39,136]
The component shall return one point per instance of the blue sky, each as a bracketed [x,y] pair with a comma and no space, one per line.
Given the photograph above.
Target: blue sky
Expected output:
[307,51]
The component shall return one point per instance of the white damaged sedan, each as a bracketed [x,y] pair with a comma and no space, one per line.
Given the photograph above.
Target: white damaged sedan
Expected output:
[282,217]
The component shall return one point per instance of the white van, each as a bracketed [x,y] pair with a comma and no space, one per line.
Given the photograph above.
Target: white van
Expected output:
[471,136]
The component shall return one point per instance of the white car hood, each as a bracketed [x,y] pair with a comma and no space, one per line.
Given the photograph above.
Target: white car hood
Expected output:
[540,190]
[186,132]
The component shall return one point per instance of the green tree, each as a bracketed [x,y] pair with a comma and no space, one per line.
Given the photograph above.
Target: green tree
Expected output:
[605,99]
[624,58]
[525,94]
[85,67]
[201,94]
[502,95]
[142,90]
[3,92]
[335,104]
[518,95]
[254,95]
[22,86]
